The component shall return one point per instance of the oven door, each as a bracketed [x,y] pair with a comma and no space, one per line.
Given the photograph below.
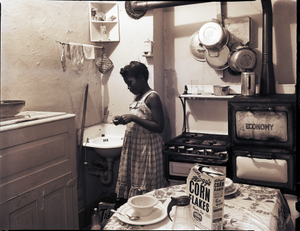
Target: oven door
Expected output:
[264,124]
[265,167]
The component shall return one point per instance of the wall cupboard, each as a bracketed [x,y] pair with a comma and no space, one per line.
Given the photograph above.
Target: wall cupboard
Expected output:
[104,21]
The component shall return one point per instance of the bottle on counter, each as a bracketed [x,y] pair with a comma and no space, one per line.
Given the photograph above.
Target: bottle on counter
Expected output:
[95,220]
[183,214]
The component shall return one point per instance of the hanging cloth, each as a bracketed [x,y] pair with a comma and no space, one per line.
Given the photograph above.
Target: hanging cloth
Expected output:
[77,56]
[103,63]
[68,52]
[89,52]
[63,59]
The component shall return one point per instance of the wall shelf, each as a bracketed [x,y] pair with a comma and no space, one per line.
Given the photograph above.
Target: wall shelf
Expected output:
[214,97]
[110,10]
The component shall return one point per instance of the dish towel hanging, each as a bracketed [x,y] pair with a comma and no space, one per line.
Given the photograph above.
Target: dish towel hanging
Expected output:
[63,59]
[68,52]
[77,56]
[103,63]
[89,52]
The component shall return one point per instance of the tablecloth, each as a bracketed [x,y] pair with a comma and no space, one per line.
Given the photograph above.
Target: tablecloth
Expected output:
[249,208]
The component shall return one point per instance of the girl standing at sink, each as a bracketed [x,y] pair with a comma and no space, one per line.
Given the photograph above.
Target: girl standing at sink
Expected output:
[141,163]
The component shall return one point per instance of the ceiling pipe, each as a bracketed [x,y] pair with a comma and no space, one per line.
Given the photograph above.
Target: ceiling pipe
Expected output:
[149,5]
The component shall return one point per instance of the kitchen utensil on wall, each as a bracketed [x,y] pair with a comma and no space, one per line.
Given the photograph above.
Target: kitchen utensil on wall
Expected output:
[196,49]
[103,63]
[248,83]
[242,58]
[213,36]
[218,60]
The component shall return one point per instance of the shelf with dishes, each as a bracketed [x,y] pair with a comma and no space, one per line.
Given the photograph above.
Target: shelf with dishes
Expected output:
[209,92]
[104,22]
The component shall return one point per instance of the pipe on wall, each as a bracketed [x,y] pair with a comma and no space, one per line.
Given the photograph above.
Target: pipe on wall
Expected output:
[148,5]
[267,79]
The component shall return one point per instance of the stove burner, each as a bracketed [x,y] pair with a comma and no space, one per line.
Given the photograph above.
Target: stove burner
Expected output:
[199,139]
[204,147]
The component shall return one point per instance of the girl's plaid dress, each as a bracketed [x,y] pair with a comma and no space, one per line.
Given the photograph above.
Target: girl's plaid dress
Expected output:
[141,163]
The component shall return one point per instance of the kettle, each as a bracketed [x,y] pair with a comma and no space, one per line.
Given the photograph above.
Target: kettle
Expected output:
[248,83]
[183,214]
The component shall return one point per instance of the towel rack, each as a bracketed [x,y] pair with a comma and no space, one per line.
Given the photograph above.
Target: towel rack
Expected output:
[63,43]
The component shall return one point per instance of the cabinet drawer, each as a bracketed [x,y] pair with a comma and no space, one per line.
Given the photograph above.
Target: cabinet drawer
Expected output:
[36,153]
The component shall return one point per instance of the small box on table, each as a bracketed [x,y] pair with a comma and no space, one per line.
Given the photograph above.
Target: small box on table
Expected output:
[205,187]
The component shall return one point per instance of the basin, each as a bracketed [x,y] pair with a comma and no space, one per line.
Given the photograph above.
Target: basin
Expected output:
[10,108]
[105,138]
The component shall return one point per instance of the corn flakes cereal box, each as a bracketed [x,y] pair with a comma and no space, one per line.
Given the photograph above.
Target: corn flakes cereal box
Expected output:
[205,187]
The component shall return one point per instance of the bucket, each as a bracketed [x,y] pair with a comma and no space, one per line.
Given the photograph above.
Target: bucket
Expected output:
[221,90]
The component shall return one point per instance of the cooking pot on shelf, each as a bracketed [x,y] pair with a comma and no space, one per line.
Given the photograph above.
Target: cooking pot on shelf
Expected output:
[220,90]
[248,83]
[241,59]
[213,36]
[218,60]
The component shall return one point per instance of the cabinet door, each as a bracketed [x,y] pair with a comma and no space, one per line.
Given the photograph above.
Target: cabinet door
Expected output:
[38,187]
[50,206]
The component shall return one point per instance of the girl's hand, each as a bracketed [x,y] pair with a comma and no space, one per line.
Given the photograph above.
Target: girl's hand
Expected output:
[126,118]
[117,120]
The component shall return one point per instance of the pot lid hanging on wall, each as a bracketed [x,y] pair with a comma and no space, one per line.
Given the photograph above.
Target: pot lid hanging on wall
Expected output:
[196,49]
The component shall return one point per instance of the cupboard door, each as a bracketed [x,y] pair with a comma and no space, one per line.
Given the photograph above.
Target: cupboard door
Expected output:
[49,206]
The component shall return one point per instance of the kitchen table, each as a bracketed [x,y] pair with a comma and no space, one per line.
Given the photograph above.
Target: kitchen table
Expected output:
[249,208]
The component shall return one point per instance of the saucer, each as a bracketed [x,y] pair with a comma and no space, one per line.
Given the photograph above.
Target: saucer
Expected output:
[157,215]
[232,192]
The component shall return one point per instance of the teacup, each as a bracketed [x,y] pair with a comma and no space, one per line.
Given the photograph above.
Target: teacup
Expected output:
[142,205]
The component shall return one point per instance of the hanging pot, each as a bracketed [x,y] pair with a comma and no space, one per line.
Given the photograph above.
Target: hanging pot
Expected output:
[213,36]
[196,49]
[218,60]
[241,59]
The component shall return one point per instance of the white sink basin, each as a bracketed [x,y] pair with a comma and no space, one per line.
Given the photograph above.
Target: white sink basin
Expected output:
[106,139]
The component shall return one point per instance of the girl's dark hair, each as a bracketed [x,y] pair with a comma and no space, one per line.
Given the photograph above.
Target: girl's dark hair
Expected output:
[135,69]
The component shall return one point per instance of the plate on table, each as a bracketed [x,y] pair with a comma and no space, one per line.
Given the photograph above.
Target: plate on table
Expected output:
[232,192]
[157,215]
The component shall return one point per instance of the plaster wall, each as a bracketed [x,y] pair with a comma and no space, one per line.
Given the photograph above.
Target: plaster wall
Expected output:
[30,58]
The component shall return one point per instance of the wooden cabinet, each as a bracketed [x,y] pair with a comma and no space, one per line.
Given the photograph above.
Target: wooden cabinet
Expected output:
[38,184]
[104,21]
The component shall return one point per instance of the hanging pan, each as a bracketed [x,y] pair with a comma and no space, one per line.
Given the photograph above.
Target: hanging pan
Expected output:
[196,49]
[218,60]
[213,36]
[241,59]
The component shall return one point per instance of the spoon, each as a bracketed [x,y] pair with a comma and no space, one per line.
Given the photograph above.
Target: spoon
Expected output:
[133,218]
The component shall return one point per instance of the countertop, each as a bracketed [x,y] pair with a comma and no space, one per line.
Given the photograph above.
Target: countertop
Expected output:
[27,118]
